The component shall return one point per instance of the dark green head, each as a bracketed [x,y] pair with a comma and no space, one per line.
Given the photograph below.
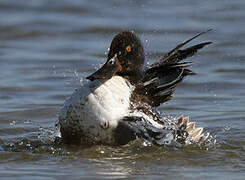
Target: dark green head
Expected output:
[126,57]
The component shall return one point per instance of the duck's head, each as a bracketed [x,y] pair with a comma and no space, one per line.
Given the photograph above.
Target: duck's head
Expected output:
[125,58]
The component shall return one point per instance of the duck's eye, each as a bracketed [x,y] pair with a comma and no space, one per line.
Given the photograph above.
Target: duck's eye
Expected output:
[128,48]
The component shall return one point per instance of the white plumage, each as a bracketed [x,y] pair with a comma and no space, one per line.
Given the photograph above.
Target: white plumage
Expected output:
[96,107]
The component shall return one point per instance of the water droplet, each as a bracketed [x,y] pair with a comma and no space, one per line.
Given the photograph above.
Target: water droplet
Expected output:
[76,73]
[227,128]
[21,143]
[27,122]
[81,81]
[12,123]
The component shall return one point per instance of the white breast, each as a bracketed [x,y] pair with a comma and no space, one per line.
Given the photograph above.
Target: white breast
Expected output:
[96,108]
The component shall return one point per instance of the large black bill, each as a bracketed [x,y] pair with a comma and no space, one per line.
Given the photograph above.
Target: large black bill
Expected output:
[110,68]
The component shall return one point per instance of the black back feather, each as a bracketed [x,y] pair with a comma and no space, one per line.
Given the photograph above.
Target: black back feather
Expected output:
[160,79]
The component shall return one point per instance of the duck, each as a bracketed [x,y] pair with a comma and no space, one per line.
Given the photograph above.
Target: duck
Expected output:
[118,103]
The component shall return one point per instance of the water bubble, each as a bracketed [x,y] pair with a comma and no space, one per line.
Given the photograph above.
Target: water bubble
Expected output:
[12,123]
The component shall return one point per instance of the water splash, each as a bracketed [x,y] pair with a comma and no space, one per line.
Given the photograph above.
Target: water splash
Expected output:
[72,76]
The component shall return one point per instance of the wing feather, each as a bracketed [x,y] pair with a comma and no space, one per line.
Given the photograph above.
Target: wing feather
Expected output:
[161,78]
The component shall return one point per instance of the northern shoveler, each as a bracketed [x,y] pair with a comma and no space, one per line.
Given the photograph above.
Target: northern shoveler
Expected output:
[118,102]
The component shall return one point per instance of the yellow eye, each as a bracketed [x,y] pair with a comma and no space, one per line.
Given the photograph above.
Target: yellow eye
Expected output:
[128,48]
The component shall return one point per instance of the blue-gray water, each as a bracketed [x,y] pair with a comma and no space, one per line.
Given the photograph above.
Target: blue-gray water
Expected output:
[47,46]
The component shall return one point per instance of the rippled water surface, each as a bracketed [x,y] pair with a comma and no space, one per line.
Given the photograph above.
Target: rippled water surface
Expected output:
[47,46]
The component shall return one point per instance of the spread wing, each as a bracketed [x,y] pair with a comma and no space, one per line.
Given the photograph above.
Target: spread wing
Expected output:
[133,127]
[161,78]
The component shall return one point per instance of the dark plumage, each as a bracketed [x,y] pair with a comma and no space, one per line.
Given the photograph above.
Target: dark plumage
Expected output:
[160,79]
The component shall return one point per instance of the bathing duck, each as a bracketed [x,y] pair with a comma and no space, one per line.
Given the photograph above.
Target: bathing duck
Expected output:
[118,103]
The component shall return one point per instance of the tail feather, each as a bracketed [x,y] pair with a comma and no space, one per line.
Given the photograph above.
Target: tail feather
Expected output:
[196,134]
[190,126]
